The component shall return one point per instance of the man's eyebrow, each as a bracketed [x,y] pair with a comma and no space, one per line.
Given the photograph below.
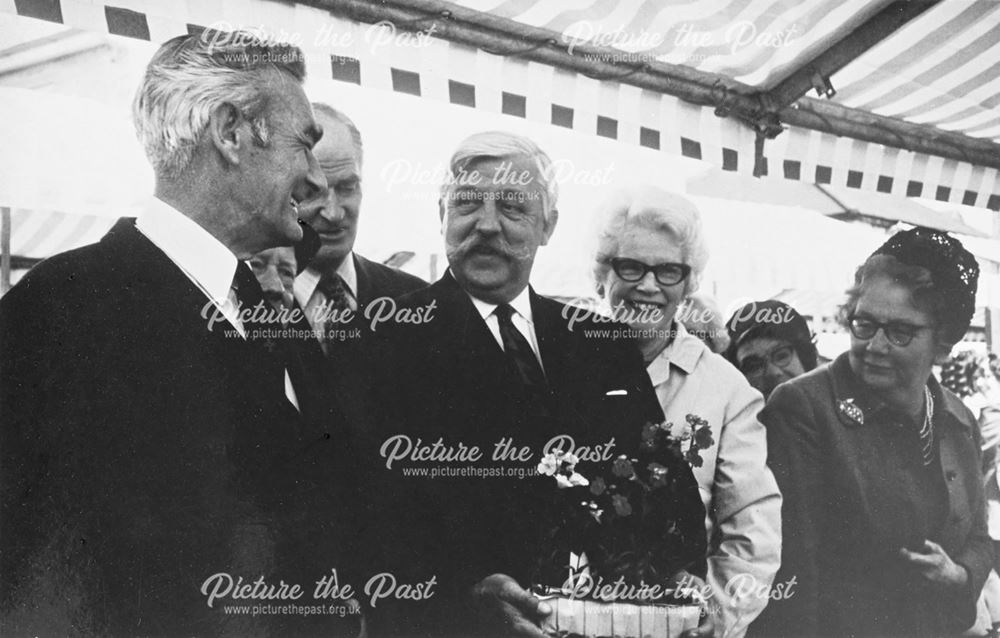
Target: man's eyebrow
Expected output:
[314,132]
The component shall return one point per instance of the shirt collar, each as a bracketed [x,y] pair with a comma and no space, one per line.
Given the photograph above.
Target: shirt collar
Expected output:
[683,352]
[306,282]
[521,305]
[195,251]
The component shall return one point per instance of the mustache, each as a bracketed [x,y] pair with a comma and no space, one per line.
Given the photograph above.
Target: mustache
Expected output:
[475,246]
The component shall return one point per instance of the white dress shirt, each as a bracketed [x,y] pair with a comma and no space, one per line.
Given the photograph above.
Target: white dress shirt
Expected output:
[312,301]
[521,318]
[201,257]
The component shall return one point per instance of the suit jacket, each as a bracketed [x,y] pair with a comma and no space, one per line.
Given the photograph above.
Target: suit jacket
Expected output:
[348,364]
[448,379]
[143,453]
[855,491]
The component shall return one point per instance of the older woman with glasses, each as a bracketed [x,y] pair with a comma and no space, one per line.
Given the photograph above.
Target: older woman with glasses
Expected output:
[649,260]
[884,518]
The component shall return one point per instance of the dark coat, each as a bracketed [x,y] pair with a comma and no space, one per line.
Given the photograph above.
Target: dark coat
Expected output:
[854,493]
[348,361]
[448,379]
[142,453]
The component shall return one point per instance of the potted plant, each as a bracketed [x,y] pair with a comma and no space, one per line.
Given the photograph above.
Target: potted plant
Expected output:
[621,536]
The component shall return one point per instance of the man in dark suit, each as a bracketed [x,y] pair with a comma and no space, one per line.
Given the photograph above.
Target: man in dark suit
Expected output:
[480,358]
[153,453]
[339,284]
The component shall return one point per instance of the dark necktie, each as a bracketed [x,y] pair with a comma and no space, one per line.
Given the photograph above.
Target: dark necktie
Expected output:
[248,295]
[332,287]
[519,350]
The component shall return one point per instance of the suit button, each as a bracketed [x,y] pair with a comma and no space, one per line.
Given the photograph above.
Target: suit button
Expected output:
[956,519]
[950,475]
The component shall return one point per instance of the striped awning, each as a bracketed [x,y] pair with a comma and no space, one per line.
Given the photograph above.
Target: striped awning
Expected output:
[38,234]
[923,72]
[755,43]
[941,68]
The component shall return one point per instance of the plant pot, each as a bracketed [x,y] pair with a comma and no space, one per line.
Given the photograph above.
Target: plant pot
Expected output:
[593,619]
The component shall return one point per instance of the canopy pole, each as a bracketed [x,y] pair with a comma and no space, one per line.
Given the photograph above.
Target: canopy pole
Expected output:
[4,249]
[759,161]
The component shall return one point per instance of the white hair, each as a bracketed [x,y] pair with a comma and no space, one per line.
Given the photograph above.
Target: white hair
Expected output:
[498,145]
[671,215]
[189,76]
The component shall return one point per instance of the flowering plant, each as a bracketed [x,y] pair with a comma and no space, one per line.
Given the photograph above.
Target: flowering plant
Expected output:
[638,518]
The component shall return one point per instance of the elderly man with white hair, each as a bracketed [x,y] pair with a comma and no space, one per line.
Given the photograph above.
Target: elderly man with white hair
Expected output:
[649,261]
[490,360]
[152,443]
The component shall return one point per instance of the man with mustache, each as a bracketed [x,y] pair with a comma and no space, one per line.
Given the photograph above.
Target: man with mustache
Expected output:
[275,270]
[490,360]
[339,284]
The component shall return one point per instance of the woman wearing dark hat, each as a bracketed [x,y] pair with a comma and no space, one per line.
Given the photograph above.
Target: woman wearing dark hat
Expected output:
[770,343]
[884,520]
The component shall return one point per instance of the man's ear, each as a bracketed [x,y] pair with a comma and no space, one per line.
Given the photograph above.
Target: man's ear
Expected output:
[549,225]
[224,127]
[442,211]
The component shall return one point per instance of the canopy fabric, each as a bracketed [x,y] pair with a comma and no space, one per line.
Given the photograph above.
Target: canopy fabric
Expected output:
[895,209]
[39,234]
[756,43]
[710,36]
[940,68]
[839,201]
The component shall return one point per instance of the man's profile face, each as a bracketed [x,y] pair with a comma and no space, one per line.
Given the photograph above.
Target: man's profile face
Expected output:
[274,178]
[494,223]
[334,214]
[275,269]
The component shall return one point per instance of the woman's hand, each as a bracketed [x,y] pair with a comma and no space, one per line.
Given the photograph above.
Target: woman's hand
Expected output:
[936,566]
[706,624]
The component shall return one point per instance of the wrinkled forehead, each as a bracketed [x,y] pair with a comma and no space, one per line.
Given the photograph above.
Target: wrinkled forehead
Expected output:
[337,149]
[886,298]
[512,172]
[289,110]
[277,256]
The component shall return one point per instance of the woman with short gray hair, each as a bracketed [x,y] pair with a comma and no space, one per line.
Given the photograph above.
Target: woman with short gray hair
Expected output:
[650,258]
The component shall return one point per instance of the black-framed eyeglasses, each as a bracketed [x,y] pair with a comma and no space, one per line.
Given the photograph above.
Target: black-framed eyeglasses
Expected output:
[755,365]
[668,274]
[897,333]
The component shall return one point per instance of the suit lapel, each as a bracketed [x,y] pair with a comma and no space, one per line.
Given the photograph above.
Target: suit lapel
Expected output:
[164,292]
[479,371]
[363,293]
[474,339]
[160,280]
[554,342]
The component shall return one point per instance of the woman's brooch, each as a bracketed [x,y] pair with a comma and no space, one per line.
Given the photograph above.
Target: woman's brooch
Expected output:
[851,412]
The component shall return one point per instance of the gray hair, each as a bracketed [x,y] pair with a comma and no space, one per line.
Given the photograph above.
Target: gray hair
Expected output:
[191,75]
[658,211]
[497,145]
[340,116]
